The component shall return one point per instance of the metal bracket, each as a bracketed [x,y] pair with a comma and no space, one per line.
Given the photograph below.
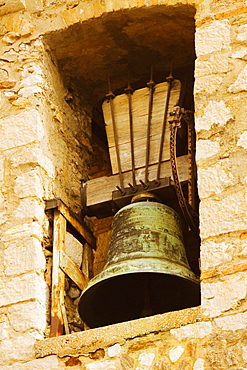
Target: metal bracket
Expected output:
[155,187]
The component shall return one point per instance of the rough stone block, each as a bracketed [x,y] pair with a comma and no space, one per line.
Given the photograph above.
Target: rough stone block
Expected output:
[215,113]
[206,149]
[11,6]
[207,84]
[223,215]
[2,208]
[1,167]
[28,123]
[212,37]
[27,316]
[29,184]
[199,364]
[244,353]
[31,229]
[23,288]
[240,54]
[232,322]
[242,141]
[223,295]
[242,33]
[241,82]
[197,330]
[3,330]
[114,350]
[32,80]
[20,348]
[102,365]
[29,209]
[22,255]
[48,363]
[214,180]
[175,353]
[26,92]
[216,63]
[146,359]
[34,5]
[32,155]
[214,254]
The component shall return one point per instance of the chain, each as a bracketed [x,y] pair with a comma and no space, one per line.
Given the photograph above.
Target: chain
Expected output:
[175,124]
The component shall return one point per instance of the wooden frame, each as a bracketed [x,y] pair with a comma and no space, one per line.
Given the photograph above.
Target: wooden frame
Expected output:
[62,263]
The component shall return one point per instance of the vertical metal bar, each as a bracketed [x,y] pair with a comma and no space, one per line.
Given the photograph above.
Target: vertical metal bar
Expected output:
[110,96]
[129,92]
[169,80]
[151,85]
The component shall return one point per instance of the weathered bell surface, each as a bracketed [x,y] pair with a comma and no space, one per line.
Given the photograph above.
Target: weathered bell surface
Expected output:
[146,271]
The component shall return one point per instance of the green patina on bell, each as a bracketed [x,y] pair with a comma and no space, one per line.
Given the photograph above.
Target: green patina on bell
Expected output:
[146,271]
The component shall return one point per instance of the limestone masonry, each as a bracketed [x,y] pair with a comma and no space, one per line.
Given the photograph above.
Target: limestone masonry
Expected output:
[54,64]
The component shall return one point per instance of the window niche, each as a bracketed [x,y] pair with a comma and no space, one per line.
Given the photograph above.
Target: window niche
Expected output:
[108,53]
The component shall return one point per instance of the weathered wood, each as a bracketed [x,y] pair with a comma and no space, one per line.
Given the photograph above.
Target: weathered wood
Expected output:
[58,277]
[72,270]
[87,261]
[80,226]
[87,266]
[140,152]
[73,219]
[65,319]
[100,190]
[140,103]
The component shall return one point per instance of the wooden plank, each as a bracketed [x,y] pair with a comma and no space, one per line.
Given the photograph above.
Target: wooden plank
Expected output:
[65,319]
[87,266]
[51,203]
[73,219]
[72,270]
[80,226]
[100,190]
[140,152]
[140,102]
[58,277]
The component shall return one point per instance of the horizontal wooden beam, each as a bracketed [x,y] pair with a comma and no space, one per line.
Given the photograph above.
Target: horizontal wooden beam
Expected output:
[72,270]
[73,219]
[98,194]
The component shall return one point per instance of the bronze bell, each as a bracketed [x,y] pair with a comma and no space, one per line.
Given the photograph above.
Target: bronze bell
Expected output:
[146,271]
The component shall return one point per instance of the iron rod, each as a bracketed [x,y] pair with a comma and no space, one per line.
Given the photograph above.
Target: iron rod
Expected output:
[169,80]
[151,85]
[110,96]
[129,92]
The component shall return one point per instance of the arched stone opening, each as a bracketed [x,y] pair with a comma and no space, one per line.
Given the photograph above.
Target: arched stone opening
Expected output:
[122,46]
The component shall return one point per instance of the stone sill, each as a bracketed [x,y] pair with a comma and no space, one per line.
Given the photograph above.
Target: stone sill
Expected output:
[81,343]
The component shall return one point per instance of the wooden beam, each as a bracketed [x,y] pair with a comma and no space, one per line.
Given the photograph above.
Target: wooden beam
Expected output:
[72,270]
[73,219]
[58,277]
[99,191]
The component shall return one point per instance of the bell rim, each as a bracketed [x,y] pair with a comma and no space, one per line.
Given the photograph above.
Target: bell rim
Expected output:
[131,267]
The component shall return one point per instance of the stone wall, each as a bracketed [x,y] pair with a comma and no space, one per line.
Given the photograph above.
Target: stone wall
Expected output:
[41,158]
[45,152]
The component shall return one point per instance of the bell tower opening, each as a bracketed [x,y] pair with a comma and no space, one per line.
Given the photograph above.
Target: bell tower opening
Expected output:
[121,53]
